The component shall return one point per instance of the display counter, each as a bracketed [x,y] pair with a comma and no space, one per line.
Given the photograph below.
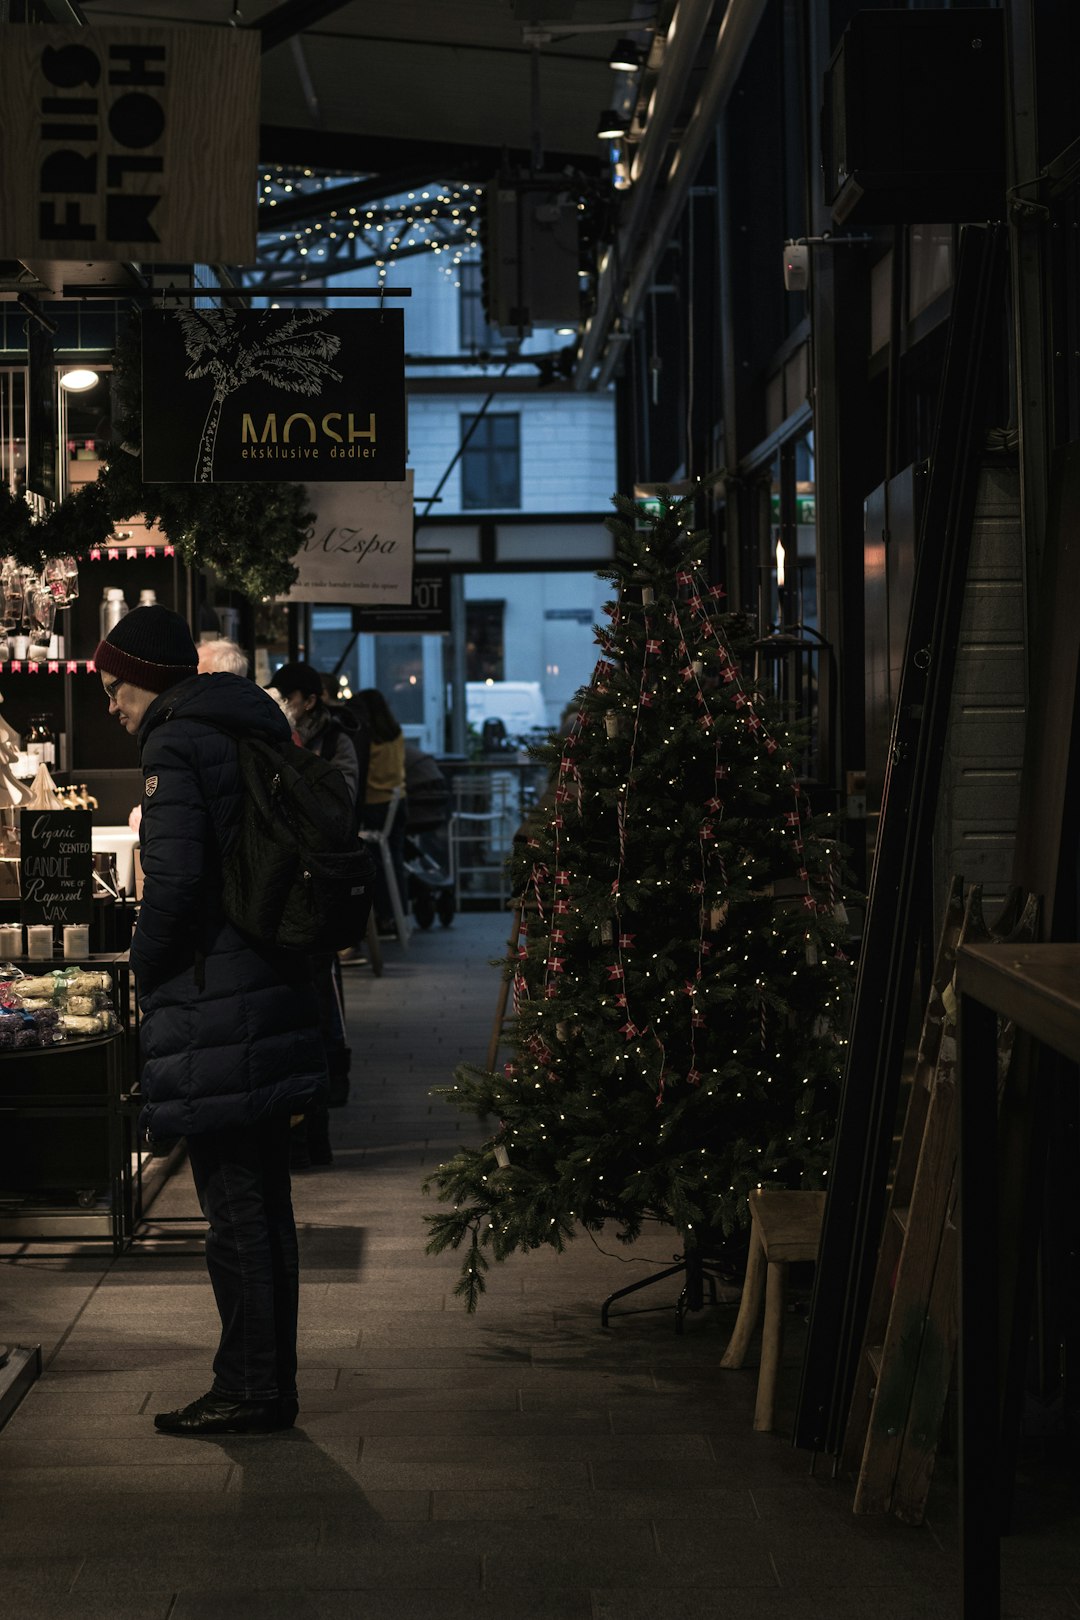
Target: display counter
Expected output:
[70,1165]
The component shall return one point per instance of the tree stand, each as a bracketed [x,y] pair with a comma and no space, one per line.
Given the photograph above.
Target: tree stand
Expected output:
[692,1298]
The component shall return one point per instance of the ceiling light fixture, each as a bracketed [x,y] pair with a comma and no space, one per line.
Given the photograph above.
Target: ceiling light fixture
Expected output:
[626,57]
[612,126]
[78,379]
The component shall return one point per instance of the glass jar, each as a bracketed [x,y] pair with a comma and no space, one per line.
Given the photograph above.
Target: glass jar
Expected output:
[40,740]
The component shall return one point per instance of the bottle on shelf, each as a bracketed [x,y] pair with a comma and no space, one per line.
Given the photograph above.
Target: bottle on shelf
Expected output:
[113,608]
[147,598]
[40,741]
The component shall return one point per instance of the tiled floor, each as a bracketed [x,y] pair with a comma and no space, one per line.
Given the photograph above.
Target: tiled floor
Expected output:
[521,1464]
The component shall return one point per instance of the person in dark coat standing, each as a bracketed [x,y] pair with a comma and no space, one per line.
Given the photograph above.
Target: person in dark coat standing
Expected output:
[230,1034]
[332,734]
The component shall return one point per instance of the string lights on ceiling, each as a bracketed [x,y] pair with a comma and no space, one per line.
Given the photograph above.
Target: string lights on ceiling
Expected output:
[443,219]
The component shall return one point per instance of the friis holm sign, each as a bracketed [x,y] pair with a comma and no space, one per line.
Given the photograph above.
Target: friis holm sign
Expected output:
[238,395]
[109,136]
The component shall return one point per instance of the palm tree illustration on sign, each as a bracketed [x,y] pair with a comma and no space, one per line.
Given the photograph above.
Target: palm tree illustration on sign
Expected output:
[292,354]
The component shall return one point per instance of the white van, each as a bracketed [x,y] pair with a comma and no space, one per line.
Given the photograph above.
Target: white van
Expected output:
[518,704]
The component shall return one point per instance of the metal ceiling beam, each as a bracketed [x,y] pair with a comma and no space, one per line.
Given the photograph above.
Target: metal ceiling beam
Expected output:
[638,261]
[342,265]
[346,151]
[292,17]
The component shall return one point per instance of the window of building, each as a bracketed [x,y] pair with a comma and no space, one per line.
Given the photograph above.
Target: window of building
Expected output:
[484,640]
[476,334]
[491,461]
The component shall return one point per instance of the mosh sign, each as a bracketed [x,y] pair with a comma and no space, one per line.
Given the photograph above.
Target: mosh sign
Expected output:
[105,137]
[239,395]
[56,866]
[360,546]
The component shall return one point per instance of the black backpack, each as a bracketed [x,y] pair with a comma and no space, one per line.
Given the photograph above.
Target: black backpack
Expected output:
[296,876]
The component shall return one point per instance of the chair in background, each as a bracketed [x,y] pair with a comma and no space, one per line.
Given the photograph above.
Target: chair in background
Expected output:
[480,835]
[381,838]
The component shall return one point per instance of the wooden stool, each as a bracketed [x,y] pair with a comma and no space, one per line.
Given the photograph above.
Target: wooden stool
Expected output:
[784,1226]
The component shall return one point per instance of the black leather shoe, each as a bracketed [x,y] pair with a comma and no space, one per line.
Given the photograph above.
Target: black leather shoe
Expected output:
[220,1414]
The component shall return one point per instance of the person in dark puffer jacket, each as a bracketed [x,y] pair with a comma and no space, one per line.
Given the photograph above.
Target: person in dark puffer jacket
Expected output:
[230,1037]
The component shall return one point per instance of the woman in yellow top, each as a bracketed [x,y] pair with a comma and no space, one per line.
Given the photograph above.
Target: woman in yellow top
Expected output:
[386,771]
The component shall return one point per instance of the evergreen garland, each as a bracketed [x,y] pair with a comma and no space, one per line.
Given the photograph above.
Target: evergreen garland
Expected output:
[247,533]
[681,992]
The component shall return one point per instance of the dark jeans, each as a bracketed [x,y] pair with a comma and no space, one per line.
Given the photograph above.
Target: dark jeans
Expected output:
[242,1179]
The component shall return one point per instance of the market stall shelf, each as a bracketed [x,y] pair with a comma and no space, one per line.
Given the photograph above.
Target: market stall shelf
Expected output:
[69,1166]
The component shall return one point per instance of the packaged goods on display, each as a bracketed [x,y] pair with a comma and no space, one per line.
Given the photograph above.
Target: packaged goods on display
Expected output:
[41,1009]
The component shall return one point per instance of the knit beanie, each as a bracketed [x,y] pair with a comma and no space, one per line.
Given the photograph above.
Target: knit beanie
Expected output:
[150,647]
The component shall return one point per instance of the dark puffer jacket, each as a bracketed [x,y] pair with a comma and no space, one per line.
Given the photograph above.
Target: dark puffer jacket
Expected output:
[229,1032]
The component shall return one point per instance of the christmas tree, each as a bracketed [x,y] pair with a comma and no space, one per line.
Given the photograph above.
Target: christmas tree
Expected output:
[680,994]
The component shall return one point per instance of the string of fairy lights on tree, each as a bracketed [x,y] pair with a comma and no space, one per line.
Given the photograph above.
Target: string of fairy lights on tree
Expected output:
[443,219]
[680,981]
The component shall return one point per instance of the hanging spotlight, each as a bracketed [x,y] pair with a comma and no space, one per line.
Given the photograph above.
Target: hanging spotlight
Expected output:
[626,57]
[612,126]
[78,379]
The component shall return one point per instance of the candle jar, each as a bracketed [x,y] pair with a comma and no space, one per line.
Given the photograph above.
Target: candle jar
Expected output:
[76,941]
[39,941]
[11,941]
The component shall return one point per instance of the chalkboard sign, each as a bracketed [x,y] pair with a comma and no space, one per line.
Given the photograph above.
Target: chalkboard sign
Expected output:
[56,866]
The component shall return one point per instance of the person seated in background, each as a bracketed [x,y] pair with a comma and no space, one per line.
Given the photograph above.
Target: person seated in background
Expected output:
[386,771]
[222,657]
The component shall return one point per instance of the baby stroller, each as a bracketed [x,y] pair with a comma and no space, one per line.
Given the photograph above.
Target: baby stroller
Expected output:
[427,802]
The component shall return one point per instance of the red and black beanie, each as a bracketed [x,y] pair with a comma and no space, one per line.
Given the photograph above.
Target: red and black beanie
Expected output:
[150,647]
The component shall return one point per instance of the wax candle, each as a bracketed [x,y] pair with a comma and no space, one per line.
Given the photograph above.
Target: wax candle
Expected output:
[39,940]
[11,941]
[76,941]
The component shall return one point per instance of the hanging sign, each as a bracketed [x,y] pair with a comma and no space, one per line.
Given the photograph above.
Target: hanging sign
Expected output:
[360,547]
[56,866]
[428,613]
[129,143]
[239,395]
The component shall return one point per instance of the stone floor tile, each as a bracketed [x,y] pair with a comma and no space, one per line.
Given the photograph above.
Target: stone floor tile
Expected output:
[705,1507]
[466,1424]
[718,1603]
[607,1553]
[392,1398]
[600,1450]
[364,1604]
[64,1404]
[146,1605]
[128,1481]
[1037,1602]
[397,1568]
[30,1575]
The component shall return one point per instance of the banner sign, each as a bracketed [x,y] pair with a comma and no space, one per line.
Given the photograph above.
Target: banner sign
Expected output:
[238,395]
[427,614]
[360,547]
[126,143]
[56,866]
